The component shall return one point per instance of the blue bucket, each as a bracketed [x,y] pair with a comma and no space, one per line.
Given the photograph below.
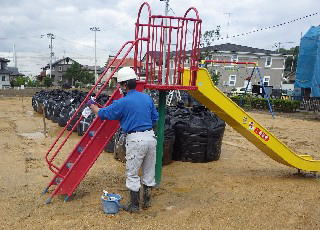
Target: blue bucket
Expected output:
[111,203]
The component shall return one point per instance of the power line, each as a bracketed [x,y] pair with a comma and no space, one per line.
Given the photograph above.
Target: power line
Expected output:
[270,27]
[84,45]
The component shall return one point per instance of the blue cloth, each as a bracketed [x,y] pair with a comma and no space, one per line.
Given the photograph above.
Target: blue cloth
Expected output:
[135,111]
[308,67]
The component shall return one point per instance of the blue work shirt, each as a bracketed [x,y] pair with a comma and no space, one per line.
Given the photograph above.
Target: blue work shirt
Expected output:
[135,111]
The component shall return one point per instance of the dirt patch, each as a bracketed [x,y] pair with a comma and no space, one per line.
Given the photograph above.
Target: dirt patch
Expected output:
[243,190]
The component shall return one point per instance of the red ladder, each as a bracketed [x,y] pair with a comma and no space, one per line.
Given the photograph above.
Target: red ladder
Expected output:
[68,176]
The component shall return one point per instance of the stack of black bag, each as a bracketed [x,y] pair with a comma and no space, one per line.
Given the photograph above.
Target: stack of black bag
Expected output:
[59,106]
[198,133]
[191,134]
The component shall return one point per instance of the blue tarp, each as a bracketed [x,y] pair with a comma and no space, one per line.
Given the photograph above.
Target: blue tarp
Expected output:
[308,68]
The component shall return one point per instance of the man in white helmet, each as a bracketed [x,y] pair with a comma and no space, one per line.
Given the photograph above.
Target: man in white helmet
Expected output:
[137,115]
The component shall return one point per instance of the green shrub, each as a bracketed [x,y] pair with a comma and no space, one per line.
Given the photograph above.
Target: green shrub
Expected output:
[250,102]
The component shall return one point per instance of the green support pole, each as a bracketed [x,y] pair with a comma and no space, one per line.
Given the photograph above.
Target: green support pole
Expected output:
[160,134]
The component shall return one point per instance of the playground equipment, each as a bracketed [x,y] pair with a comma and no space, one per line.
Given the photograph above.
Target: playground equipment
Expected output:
[164,68]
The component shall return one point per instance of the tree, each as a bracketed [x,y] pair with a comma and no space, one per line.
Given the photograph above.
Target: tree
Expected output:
[207,40]
[87,77]
[32,83]
[291,61]
[215,76]
[18,81]
[209,36]
[73,73]
[78,74]
[47,81]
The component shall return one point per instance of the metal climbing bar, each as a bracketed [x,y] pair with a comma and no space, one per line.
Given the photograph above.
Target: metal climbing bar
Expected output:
[182,38]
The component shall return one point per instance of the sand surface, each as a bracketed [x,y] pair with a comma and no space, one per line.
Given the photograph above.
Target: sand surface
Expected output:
[245,189]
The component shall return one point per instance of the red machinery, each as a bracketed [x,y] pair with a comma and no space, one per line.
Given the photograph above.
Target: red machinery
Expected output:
[182,36]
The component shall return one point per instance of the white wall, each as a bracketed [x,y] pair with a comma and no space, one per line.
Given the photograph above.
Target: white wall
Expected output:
[288,87]
[6,82]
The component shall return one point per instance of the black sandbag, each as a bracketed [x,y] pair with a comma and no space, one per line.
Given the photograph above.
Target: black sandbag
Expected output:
[168,144]
[214,144]
[84,124]
[198,136]
[120,146]
[110,146]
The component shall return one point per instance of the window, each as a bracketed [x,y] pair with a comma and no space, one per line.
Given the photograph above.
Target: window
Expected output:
[232,80]
[3,78]
[234,58]
[268,62]
[266,80]
[60,68]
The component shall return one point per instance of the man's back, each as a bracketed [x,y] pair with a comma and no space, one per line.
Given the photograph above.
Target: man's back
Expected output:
[135,111]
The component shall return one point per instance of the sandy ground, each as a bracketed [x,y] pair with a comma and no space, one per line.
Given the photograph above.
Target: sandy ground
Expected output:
[243,190]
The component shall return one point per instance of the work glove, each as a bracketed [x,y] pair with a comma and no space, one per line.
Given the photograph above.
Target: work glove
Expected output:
[92,101]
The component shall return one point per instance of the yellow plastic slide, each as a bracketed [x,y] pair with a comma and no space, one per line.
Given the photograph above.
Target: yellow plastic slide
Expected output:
[215,100]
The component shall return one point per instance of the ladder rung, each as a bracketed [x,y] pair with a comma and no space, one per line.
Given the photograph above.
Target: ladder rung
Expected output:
[58,180]
[80,149]
[91,133]
[69,165]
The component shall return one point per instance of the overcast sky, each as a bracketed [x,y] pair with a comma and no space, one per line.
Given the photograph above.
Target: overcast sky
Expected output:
[22,22]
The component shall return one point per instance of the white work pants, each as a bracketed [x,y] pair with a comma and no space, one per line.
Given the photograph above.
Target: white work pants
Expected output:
[140,152]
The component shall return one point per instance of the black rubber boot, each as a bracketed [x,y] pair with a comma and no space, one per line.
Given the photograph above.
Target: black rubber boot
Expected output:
[133,205]
[146,197]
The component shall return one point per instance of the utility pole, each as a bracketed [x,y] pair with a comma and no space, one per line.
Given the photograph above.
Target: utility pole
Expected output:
[228,23]
[14,56]
[165,42]
[95,29]
[278,45]
[51,37]
[161,105]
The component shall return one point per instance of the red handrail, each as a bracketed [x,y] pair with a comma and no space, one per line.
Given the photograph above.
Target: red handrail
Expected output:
[52,167]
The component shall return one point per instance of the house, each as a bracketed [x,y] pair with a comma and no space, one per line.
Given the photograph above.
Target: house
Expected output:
[59,69]
[14,73]
[271,66]
[4,73]
[91,69]
[113,63]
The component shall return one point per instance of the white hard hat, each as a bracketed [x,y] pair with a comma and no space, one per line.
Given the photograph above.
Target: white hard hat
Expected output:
[125,74]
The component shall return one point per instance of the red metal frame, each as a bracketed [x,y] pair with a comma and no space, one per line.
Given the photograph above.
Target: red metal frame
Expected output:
[149,49]
[179,32]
